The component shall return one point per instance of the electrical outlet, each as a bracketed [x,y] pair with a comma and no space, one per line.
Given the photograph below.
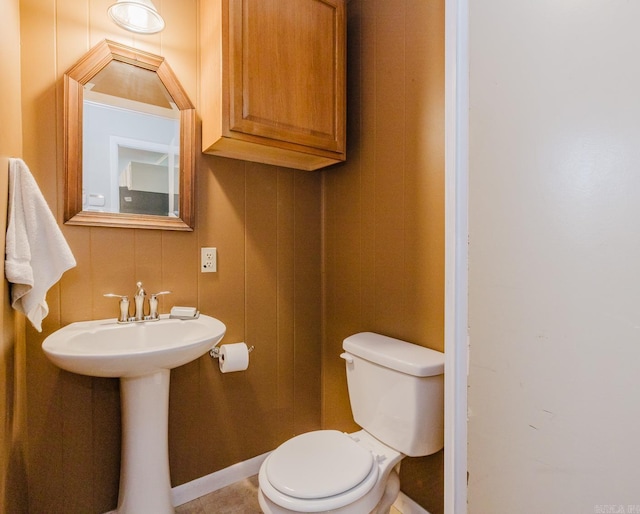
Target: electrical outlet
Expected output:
[208,260]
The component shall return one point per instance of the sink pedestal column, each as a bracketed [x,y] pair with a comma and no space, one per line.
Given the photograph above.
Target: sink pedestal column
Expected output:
[145,484]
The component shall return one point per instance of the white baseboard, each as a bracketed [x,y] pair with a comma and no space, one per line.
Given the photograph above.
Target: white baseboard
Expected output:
[202,486]
[207,484]
[407,506]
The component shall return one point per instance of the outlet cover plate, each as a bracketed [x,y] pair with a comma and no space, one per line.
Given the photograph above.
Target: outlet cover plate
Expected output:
[208,260]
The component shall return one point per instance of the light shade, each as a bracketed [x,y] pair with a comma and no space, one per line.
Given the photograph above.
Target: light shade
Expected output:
[138,16]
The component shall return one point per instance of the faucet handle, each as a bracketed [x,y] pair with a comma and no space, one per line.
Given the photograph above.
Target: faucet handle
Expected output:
[153,295]
[153,304]
[124,305]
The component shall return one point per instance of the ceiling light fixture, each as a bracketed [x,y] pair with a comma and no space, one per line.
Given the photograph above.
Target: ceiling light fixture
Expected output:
[138,16]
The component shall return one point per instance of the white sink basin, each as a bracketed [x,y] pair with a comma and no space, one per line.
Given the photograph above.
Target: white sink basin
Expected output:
[104,348]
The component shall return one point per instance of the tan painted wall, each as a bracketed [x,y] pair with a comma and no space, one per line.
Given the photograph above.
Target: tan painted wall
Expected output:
[265,222]
[13,491]
[383,209]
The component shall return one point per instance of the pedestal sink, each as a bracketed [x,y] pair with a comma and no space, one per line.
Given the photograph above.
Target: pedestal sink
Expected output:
[141,355]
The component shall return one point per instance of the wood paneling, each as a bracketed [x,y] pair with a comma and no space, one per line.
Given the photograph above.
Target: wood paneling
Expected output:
[279,285]
[264,222]
[13,490]
[384,208]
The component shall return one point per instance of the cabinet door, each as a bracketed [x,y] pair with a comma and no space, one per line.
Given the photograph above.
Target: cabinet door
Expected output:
[273,81]
[286,76]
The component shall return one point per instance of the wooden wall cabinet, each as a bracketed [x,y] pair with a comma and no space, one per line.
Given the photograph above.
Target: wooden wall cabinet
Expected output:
[273,81]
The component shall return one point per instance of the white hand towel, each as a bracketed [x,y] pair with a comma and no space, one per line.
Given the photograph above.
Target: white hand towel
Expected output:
[36,253]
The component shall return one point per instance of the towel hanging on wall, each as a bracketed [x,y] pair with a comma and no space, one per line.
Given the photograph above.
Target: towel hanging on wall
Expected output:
[36,253]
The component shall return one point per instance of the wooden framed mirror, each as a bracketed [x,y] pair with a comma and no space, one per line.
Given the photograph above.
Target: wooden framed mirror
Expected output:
[129,142]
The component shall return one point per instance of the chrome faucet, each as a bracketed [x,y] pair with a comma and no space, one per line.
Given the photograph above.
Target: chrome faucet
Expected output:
[138,299]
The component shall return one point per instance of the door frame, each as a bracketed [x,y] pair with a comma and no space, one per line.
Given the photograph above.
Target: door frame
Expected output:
[456,253]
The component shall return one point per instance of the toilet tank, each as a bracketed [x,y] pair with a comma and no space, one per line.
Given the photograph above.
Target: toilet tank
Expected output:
[396,390]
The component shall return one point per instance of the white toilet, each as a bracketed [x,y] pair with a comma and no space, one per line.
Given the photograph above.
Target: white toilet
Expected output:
[397,396]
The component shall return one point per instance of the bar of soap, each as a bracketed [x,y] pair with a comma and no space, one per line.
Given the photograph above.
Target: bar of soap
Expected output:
[183,312]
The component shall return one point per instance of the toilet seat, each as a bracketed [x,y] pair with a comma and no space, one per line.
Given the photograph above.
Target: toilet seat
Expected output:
[338,464]
[318,471]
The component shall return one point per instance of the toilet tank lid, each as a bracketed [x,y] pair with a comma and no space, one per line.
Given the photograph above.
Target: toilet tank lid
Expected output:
[402,356]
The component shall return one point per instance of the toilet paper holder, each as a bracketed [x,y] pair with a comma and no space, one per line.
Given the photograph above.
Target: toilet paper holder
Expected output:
[215,351]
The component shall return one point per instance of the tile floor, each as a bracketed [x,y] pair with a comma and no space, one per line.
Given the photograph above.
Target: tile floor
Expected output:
[238,498]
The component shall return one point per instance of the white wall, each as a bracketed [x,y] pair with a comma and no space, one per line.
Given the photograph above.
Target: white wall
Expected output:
[554,216]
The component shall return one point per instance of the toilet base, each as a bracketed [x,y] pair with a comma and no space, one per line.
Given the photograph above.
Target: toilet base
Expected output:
[391,492]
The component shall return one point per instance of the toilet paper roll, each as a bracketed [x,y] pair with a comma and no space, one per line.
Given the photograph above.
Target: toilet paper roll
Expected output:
[233,357]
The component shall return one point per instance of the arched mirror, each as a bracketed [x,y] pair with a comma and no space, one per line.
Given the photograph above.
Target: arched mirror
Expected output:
[129,142]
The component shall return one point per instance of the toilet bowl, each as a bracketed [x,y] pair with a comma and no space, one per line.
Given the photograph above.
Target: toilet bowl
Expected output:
[396,390]
[329,471]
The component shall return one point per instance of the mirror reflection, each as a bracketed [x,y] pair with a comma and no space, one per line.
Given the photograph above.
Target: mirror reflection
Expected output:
[129,136]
